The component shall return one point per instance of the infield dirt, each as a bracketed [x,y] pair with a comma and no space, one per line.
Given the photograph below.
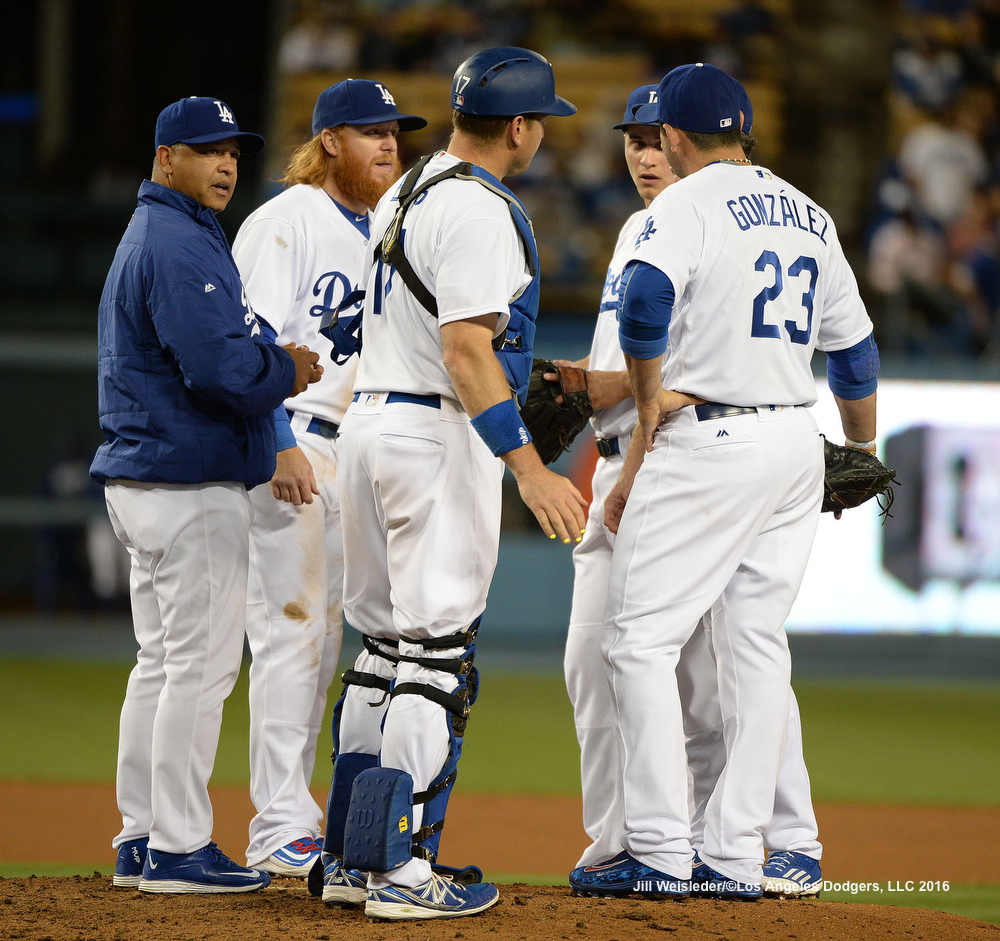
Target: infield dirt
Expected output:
[502,834]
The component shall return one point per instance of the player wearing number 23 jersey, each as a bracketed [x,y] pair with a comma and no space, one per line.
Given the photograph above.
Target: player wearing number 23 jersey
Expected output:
[734,280]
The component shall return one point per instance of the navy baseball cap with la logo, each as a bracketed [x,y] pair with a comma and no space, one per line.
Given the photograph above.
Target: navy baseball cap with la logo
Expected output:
[643,95]
[700,98]
[202,121]
[360,101]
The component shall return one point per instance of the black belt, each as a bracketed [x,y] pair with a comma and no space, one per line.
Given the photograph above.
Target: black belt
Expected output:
[607,447]
[431,401]
[710,410]
[320,426]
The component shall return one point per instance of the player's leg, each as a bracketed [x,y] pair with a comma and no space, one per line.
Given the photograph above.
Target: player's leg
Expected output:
[682,535]
[294,644]
[752,650]
[439,493]
[698,685]
[791,838]
[134,775]
[198,539]
[358,714]
[587,683]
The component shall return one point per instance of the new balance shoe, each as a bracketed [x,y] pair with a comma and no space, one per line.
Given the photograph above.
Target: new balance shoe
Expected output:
[623,876]
[713,885]
[343,886]
[128,866]
[293,859]
[438,897]
[789,875]
[207,870]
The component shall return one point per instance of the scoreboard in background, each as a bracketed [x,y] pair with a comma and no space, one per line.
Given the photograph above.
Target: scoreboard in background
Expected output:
[935,565]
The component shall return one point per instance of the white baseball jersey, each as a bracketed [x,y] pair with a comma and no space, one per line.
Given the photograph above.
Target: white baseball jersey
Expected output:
[605,351]
[467,224]
[797,295]
[299,254]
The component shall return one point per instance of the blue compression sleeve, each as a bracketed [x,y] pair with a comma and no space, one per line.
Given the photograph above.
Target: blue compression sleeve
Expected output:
[853,373]
[647,301]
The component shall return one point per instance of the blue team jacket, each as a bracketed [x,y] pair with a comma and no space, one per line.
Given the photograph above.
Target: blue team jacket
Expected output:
[187,386]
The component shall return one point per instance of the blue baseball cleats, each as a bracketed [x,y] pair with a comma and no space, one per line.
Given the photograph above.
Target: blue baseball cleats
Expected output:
[294,859]
[439,897]
[128,866]
[207,870]
[789,875]
[624,876]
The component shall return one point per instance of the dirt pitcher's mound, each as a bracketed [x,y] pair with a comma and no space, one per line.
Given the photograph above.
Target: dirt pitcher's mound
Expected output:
[78,908]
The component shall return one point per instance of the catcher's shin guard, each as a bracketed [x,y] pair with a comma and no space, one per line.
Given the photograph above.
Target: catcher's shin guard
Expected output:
[347,767]
[457,704]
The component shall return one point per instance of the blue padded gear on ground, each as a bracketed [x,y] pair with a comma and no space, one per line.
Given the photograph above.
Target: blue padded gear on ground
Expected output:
[346,769]
[379,831]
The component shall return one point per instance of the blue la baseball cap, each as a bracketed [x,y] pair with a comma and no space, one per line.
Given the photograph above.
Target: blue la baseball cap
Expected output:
[202,121]
[638,97]
[700,98]
[360,101]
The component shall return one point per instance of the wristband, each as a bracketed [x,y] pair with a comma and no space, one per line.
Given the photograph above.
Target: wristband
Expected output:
[500,426]
[859,444]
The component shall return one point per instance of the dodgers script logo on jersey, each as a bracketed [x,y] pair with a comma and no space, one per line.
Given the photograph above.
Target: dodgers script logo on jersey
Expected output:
[334,286]
[611,294]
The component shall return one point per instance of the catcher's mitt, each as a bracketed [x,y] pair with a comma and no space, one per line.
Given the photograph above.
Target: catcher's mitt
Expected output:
[554,425]
[854,476]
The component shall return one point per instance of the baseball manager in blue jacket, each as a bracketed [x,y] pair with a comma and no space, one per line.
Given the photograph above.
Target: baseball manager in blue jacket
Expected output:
[188,388]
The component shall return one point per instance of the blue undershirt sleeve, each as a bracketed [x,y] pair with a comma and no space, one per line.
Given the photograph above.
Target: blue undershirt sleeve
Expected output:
[853,373]
[644,309]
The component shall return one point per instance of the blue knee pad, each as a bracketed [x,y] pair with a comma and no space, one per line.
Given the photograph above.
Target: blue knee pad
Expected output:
[379,832]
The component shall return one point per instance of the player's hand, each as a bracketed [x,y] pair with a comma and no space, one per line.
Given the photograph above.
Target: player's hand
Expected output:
[307,368]
[293,480]
[614,504]
[558,506]
[651,415]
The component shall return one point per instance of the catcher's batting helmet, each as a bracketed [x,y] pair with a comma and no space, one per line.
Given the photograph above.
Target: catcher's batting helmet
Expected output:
[507,80]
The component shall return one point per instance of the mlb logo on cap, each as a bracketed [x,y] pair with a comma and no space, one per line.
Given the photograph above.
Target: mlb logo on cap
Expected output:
[202,121]
[700,98]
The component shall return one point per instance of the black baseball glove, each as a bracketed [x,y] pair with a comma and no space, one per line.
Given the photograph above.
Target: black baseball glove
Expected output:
[854,476]
[555,411]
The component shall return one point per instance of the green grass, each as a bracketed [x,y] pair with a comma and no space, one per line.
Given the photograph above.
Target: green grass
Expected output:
[981,902]
[868,742]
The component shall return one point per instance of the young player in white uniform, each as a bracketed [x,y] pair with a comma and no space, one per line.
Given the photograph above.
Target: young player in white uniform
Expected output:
[734,280]
[300,254]
[420,484]
[793,828]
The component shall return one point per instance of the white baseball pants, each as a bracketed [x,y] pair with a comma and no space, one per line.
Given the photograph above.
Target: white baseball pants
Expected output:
[294,626]
[721,517]
[189,554]
[420,497]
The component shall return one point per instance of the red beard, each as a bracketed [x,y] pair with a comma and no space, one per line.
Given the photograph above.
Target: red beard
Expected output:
[355,178]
